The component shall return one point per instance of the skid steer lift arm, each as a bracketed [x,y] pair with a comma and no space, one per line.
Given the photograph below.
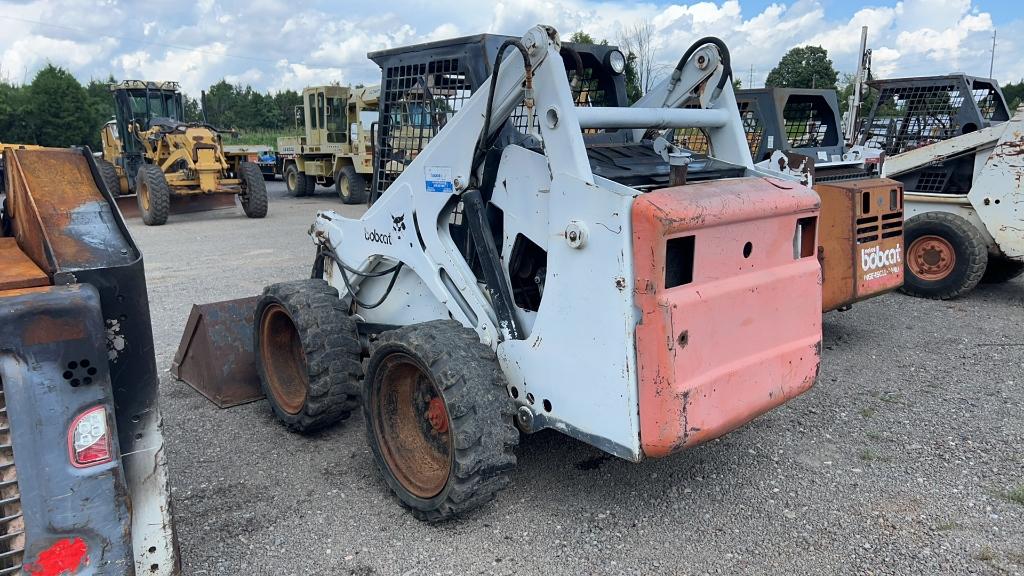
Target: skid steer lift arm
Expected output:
[629,298]
[704,77]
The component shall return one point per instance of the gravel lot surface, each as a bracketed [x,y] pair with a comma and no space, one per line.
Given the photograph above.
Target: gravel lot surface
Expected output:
[907,457]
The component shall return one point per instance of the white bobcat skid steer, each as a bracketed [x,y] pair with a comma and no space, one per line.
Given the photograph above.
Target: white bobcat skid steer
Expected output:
[494,287]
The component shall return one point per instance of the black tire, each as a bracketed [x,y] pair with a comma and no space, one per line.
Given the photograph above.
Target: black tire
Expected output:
[254,190]
[970,256]
[308,354]
[447,471]
[351,186]
[153,195]
[109,176]
[296,181]
[1001,269]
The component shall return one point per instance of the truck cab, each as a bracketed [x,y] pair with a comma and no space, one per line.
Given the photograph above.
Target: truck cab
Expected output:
[335,148]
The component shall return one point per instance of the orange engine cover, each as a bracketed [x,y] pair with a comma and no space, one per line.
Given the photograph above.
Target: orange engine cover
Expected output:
[730,292]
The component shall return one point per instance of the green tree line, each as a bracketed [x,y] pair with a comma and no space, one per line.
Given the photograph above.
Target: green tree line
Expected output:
[55,109]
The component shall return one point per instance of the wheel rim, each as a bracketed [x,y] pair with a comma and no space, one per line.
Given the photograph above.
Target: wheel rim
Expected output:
[143,193]
[284,362]
[412,426]
[343,186]
[931,257]
[293,180]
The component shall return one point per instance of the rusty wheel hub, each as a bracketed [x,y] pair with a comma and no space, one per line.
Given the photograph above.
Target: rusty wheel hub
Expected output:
[411,426]
[284,362]
[931,257]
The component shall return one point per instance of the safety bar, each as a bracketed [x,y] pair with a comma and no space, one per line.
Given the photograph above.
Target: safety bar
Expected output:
[652,117]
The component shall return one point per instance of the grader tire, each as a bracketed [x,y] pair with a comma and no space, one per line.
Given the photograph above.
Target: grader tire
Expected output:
[153,195]
[439,419]
[109,176]
[350,185]
[945,256]
[309,356]
[254,191]
[296,182]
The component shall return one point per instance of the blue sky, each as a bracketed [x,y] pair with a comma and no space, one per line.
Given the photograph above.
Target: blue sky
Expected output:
[273,44]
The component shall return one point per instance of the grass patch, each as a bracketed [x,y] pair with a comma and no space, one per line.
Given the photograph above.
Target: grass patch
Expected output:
[985,554]
[867,412]
[258,137]
[947,526]
[869,455]
[1016,495]
[872,435]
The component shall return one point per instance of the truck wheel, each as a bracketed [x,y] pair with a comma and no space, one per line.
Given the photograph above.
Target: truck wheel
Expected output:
[296,181]
[109,176]
[945,256]
[254,191]
[439,419]
[153,195]
[351,186]
[1001,269]
[309,357]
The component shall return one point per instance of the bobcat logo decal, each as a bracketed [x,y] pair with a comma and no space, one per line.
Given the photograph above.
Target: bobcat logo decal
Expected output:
[398,223]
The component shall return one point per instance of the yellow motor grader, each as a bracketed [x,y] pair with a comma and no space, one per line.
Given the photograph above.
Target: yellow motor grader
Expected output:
[151,151]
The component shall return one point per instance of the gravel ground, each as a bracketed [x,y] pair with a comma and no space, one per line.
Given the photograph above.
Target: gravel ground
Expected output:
[907,457]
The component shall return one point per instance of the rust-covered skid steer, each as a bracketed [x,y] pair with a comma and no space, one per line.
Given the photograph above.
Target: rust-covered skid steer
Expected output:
[501,282]
[83,482]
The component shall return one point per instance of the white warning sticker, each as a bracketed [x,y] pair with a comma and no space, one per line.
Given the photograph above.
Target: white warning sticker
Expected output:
[439,179]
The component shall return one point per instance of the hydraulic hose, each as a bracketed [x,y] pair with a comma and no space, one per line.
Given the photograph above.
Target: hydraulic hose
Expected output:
[484,141]
[722,49]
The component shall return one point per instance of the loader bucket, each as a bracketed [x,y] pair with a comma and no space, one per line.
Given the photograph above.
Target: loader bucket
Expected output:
[216,353]
[180,204]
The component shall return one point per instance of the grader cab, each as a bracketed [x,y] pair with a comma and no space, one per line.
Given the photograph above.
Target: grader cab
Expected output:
[152,152]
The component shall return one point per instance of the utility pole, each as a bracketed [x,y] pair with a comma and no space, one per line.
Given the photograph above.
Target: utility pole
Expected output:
[992,62]
[863,70]
[750,83]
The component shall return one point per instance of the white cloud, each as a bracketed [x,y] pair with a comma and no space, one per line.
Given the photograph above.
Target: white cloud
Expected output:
[194,70]
[273,44]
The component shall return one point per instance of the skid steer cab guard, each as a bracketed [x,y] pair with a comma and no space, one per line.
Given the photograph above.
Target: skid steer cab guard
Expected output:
[499,282]
[83,485]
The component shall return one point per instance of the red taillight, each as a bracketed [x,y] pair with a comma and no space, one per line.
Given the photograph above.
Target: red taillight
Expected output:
[89,438]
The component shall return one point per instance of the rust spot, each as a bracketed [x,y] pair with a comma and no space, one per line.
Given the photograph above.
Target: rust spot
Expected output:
[50,329]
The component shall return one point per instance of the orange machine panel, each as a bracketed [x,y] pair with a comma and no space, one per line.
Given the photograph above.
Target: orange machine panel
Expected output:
[860,240]
[730,294]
